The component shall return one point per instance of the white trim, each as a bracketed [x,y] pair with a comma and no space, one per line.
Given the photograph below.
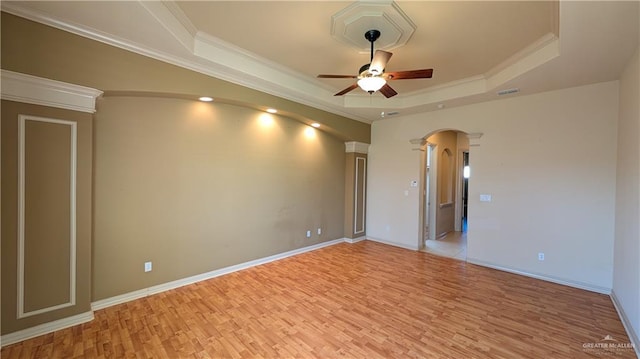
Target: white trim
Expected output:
[22,119]
[123,298]
[45,328]
[395,244]
[570,283]
[356,147]
[171,17]
[535,55]
[383,15]
[474,139]
[239,66]
[633,336]
[457,225]
[364,197]
[418,143]
[355,240]
[40,91]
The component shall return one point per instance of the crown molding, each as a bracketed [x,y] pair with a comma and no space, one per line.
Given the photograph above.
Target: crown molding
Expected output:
[171,17]
[249,64]
[313,95]
[356,147]
[213,57]
[383,15]
[537,53]
[40,91]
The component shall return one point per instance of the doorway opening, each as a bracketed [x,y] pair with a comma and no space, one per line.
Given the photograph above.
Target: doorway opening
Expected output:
[466,173]
[445,165]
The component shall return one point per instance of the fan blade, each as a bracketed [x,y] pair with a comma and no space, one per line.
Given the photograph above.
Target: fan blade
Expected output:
[337,76]
[412,74]
[379,62]
[387,91]
[348,89]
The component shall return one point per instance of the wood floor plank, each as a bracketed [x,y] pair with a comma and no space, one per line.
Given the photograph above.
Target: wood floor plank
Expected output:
[363,300]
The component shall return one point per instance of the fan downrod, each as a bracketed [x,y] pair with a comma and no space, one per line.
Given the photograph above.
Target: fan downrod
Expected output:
[372,35]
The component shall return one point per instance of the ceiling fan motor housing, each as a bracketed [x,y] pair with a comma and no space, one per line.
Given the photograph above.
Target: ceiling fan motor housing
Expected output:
[364,68]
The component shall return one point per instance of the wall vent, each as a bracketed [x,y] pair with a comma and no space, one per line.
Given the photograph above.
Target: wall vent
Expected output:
[391,113]
[508,91]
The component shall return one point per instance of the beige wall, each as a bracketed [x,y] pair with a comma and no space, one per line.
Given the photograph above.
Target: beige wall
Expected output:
[626,269]
[47,212]
[194,187]
[39,50]
[47,233]
[355,195]
[548,160]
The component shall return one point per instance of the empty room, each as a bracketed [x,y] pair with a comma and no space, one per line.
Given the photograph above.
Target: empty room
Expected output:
[320,179]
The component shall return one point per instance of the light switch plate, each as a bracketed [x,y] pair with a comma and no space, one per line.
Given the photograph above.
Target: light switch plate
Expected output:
[485,198]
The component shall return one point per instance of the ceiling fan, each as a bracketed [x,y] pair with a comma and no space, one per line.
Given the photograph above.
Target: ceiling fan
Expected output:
[371,77]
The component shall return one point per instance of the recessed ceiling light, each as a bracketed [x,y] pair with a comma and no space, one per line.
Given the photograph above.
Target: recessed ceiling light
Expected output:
[272,110]
[205,99]
[315,124]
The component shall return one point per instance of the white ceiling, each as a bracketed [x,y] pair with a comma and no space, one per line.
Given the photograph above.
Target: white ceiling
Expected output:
[475,48]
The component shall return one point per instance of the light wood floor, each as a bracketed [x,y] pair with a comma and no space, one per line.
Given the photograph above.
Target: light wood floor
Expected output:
[363,300]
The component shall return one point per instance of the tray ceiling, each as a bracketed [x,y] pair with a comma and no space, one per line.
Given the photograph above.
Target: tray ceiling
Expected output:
[475,48]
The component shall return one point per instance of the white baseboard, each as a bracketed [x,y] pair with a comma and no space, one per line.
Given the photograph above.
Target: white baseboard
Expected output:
[633,336]
[45,328]
[570,283]
[123,298]
[395,244]
[355,240]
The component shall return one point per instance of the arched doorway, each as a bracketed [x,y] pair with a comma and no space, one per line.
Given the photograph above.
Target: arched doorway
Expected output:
[443,202]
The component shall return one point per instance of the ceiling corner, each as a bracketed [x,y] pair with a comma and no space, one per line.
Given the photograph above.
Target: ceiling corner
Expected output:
[171,17]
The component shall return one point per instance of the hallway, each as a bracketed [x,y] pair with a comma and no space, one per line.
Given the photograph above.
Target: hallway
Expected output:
[453,245]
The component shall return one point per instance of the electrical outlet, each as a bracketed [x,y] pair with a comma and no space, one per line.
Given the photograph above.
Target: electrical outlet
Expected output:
[540,256]
[308,234]
[147,266]
[319,231]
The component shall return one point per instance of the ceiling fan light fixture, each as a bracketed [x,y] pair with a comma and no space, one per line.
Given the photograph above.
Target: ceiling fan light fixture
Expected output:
[372,76]
[371,84]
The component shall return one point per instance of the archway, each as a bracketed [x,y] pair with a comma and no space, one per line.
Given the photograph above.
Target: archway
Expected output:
[441,203]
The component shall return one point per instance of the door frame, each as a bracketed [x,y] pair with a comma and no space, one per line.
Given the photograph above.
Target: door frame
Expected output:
[457,226]
[427,178]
